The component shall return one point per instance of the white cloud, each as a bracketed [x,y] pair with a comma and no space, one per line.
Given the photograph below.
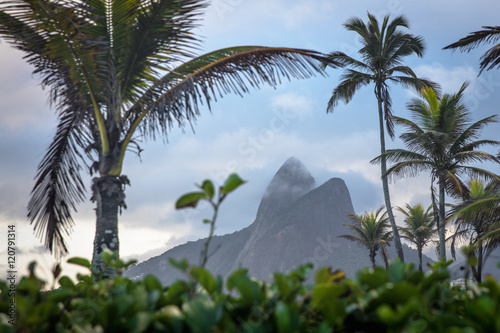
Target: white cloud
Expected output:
[450,79]
[299,105]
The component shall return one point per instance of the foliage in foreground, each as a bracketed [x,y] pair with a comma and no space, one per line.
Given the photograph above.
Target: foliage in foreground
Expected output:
[394,300]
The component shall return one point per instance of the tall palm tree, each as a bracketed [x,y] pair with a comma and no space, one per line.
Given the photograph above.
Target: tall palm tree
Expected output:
[383,49]
[473,224]
[119,70]
[419,227]
[371,230]
[491,58]
[444,141]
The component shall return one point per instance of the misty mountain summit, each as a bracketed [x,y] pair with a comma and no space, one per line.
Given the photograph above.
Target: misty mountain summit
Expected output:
[295,224]
[292,181]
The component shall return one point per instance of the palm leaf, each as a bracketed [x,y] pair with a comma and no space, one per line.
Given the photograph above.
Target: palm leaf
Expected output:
[177,96]
[491,58]
[158,37]
[351,82]
[58,187]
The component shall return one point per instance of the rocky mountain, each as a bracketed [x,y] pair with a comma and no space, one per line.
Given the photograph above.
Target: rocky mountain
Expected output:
[296,223]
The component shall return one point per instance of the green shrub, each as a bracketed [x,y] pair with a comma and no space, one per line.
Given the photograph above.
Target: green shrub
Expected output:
[399,299]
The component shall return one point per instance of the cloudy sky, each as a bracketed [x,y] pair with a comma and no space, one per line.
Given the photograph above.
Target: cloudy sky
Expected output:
[253,135]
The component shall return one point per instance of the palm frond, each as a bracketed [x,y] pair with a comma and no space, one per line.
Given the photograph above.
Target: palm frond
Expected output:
[149,39]
[59,187]
[177,96]
[408,169]
[351,82]
[473,132]
[340,59]
[475,172]
[399,155]
[414,83]
[490,34]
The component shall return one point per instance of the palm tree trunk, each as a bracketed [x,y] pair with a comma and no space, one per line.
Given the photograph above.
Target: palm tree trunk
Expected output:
[385,184]
[479,264]
[372,257]
[108,193]
[419,249]
[441,220]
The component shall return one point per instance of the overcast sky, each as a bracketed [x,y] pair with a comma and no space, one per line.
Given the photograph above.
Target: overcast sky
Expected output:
[253,135]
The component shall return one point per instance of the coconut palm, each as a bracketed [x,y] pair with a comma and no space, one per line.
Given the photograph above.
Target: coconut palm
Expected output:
[419,227]
[383,49]
[118,71]
[371,230]
[475,217]
[491,58]
[443,141]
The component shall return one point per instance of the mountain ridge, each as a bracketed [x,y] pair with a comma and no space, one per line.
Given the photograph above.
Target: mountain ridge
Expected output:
[295,223]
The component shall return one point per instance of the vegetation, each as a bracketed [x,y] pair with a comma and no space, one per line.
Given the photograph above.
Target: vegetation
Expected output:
[488,206]
[119,72]
[491,58]
[473,228]
[208,194]
[399,299]
[383,49]
[371,230]
[444,141]
[419,227]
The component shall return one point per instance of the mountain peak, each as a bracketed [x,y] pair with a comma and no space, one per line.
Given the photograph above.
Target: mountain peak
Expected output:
[292,181]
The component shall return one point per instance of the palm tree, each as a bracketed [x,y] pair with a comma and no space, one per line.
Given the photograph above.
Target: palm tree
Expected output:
[371,230]
[383,49]
[489,35]
[120,70]
[419,227]
[443,141]
[474,224]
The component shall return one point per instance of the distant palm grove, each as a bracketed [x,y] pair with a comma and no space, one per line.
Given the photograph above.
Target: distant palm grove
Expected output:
[119,70]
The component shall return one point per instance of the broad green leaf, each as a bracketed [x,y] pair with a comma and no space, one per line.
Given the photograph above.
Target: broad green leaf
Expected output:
[232,182]
[61,295]
[66,282]
[282,317]
[177,290]
[140,322]
[84,278]
[151,283]
[324,293]
[325,275]
[202,314]
[397,295]
[208,188]
[107,256]
[172,316]
[190,200]
[79,261]
[204,277]
[373,279]
[248,289]
[396,272]
[281,282]
[326,299]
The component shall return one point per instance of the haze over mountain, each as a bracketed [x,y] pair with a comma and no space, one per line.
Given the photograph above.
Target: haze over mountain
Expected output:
[295,224]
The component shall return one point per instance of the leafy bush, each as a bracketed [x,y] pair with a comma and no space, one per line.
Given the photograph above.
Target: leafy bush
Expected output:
[394,300]
[399,299]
